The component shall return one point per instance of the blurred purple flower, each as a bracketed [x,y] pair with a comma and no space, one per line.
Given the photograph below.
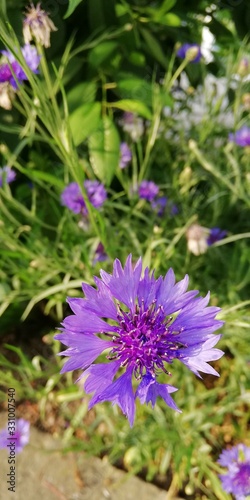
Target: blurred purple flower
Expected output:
[100,254]
[6,174]
[153,323]
[241,137]
[237,478]
[148,190]
[72,197]
[20,437]
[126,155]
[7,69]
[216,234]
[161,204]
[192,51]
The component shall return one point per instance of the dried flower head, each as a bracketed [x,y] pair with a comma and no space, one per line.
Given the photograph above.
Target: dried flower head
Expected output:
[133,125]
[145,324]
[7,95]
[197,239]
[37,25]
[125,155]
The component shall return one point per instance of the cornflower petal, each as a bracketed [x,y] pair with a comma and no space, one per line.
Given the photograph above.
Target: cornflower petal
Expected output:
[99,376]
[85,350]
[124,283]
[148,288]
[121,393]
[91,322]
[99,301]
[149,389]
[236,480]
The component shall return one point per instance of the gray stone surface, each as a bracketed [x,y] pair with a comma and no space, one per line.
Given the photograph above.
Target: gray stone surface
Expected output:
[45,473]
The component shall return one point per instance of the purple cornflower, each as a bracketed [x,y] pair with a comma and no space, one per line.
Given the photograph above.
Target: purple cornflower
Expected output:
[241,137]
[191,51]
[72,197]
[216,234]
[7,69]
[237,478]
[20,435]
[126,155]
[148,190]
[37,25]
[153,323]
[6,174]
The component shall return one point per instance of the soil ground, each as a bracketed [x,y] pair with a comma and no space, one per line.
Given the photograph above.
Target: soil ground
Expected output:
[43,472]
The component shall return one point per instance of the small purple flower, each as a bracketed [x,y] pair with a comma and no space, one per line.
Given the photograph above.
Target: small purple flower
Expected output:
[72,197]
[192,51]
[161,204]
[6,175]
[100,254]
[241,137]
[126,155]
[7,69]
[237,478]
[216,234]
[154,322]
[148,190]
[20,437]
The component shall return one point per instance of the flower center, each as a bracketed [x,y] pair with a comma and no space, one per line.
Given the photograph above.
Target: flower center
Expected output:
[242,478]
[145,340]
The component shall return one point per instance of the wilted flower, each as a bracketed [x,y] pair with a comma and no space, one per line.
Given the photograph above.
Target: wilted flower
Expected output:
[197,239]
[20,436]
[72,197]
[190,51]
[241,137]
[237,478]
[246,101]
[148,190]
[153,323]
[126,155]
[243,67]
[133,125]
[6,175]
[7,94]
[11,66]
[216,234]
[37,25]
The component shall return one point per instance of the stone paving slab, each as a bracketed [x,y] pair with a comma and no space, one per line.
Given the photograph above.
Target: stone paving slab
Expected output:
[45,473]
